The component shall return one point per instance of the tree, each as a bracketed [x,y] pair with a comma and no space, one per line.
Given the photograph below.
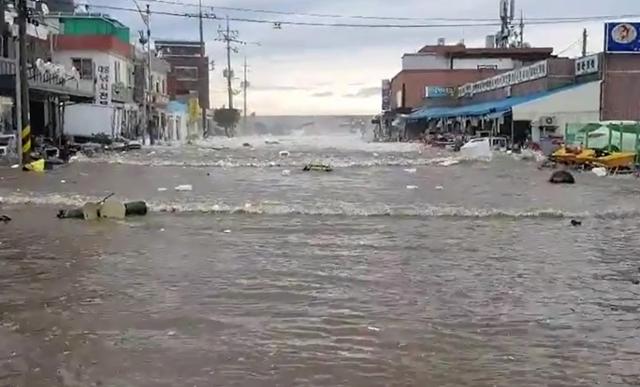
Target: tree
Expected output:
[228,119]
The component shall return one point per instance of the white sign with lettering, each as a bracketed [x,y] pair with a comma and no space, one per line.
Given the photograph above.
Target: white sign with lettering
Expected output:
[515,77]
[103,86]
[588,65]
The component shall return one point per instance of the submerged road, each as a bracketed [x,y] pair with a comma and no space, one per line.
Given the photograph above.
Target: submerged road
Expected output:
[473,277]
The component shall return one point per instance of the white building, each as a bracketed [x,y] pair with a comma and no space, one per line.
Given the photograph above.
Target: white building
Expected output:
[98,47]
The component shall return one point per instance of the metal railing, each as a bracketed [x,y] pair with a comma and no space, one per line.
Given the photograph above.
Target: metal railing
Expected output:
[46,81]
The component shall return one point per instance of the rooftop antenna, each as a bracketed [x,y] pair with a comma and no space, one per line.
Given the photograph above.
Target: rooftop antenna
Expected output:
[521,28]
[512,10]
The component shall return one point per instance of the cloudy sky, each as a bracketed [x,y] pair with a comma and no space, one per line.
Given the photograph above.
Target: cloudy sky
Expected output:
[330,70]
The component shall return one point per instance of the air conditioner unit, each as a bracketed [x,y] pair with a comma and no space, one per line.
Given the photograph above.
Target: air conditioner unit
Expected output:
[548,121]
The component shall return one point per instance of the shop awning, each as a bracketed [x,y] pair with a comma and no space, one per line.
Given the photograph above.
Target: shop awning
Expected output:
[493,108]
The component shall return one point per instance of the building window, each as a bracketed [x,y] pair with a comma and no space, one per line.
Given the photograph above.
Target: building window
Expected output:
[129,75]
[164,86]
[116,69]
[84,67]
[186,73]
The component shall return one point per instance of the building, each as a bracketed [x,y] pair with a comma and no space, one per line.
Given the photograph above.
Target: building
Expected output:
[189,76]
[431,75]
[548,96]
[98,47]
[51,83]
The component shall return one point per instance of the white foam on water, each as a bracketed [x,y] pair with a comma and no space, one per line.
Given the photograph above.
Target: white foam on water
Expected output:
[320,209]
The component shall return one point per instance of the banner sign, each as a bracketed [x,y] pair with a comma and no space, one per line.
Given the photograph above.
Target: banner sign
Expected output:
[588,65]
[622,38]
[438,92]
[511,78]
[103,89]
[386,95]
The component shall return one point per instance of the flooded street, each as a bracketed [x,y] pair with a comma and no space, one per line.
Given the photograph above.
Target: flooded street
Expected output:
[348,278]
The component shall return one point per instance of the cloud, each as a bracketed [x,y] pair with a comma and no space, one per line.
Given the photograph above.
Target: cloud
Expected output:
[322,94]
[364,92]
[293,66]
[277,88]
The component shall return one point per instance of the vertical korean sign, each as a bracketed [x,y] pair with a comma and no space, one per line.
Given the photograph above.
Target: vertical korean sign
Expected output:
[386,95]
[103,86]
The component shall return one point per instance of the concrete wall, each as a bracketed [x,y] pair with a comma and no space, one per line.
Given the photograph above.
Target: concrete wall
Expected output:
[577,104]
[621,87]
[425,62]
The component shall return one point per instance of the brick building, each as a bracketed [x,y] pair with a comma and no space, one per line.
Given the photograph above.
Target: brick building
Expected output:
[189,75]
[431,75]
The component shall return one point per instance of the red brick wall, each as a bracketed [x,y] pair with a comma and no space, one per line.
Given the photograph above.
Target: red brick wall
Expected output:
[93,42]
[621,88]
[174,87]
[415,82]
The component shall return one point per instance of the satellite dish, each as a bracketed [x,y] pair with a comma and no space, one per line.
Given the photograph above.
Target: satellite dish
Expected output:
[44,9]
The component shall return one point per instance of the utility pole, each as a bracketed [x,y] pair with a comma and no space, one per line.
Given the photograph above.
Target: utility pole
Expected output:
[205,66]
[21,73]
[229,37]
[245,85]
[229,73]
[150,80]
[585,37]
[521,29]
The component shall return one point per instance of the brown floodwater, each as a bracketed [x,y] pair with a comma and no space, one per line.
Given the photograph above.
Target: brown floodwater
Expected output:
[256,278]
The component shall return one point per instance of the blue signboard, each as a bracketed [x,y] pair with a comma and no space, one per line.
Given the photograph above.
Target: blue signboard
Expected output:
[622,38]
[438,92]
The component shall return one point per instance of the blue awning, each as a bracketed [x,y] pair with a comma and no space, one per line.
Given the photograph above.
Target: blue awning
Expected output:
[480,109]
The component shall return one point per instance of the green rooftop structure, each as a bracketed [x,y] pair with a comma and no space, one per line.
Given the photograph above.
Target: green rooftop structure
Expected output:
[83,25]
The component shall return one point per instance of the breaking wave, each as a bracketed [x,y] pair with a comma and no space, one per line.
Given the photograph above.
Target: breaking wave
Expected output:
[324,209]
[283,162]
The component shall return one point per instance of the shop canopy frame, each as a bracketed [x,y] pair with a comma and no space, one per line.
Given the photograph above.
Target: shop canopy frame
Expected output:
[483,109]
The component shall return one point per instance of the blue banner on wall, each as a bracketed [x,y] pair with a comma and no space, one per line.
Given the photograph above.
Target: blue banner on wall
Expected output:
[622,37]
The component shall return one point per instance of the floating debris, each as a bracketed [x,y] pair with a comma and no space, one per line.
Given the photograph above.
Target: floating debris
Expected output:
[439,188]
[562,177]
[600,172]
[184,188]
[317,167]
[373,329]
[286,172]
[411,170]
[284,153]
[162,189]
[412,187]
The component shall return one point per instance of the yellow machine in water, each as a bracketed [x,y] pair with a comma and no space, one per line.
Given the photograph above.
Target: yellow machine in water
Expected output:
[572,156]
[592,157]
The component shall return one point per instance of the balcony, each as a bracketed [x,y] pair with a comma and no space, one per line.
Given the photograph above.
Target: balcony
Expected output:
[47,77]
[121,93]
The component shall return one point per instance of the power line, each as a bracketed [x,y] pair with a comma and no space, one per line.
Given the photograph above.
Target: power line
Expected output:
[397,18]
[477,23]
[472,22]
